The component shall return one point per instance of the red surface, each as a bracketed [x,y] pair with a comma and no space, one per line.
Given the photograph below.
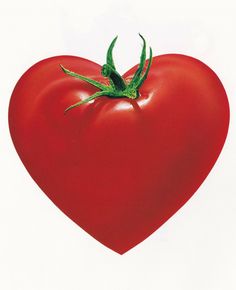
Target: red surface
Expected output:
[119,168]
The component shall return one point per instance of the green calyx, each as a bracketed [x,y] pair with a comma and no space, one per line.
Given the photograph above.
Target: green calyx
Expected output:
[118,87]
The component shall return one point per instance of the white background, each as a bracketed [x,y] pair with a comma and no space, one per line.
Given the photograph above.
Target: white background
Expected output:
[40,248]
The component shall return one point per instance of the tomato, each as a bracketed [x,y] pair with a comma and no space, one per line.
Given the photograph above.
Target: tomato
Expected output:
[119,167]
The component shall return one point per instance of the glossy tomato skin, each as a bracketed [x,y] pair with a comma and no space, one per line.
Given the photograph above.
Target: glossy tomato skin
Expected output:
[119,168]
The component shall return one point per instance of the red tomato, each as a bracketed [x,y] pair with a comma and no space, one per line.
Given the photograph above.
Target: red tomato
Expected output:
[119,168]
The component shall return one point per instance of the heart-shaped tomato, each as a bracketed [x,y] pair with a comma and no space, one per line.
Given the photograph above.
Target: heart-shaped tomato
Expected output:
[119,167]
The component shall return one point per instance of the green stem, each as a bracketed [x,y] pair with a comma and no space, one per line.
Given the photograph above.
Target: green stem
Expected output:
[94,96]
[143,78]
[90,81]
[110,60]
[138,72]
[115,78]
[118,88]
